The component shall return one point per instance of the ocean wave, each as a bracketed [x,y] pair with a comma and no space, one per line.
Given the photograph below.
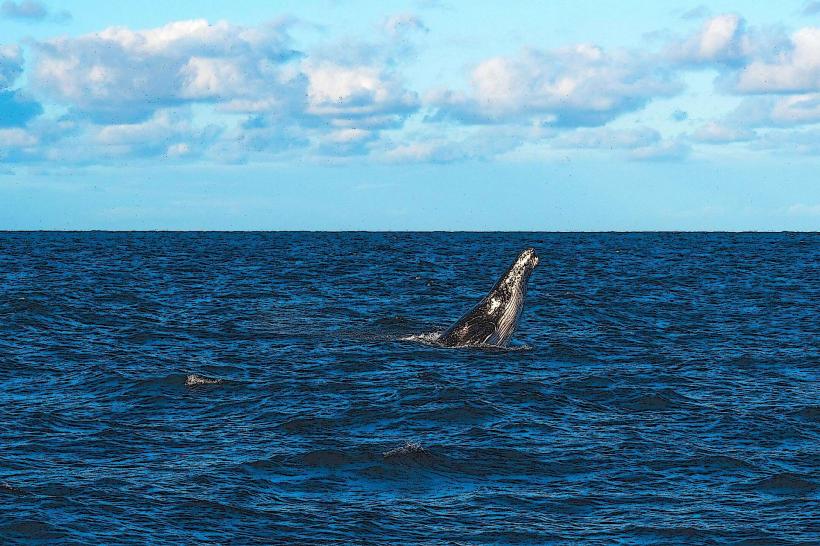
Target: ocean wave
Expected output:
[787,483]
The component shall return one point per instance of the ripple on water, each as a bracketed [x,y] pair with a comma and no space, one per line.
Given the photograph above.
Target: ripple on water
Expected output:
[287,388]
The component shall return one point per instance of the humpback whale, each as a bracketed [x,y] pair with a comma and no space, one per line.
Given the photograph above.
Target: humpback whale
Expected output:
[493,319]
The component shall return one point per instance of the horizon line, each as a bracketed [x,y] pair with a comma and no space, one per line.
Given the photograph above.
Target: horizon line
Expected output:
[4,231]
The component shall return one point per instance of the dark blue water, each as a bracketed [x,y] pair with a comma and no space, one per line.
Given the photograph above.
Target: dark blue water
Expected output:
[255,388]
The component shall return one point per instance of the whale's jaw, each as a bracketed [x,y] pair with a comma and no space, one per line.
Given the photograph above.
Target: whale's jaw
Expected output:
[494,319]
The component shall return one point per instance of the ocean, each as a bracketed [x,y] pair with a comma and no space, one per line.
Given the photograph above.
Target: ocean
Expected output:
[266,388]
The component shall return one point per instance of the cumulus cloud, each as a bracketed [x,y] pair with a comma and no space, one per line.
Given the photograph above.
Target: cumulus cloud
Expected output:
[11,65]
[129,92]
[122,75]
[31,10]
[16,138]
[721,39]
[17,144]
[752,61]
[168,133]
[16,109]
[778,76]
[346,142]
[718,133]
[568,87]
[125,93]
[794,70]
[348,95]
[768,123]
[776,111]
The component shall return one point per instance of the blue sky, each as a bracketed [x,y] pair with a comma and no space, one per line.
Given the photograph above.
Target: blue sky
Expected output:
[410,115]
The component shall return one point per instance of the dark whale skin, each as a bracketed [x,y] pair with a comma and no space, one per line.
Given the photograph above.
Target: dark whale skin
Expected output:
[493,320]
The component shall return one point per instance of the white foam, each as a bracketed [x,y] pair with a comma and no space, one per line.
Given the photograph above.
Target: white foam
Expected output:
[429,338]
[194,379]
[406,449]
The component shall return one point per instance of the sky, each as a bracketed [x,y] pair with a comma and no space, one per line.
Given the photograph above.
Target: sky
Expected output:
[410,115]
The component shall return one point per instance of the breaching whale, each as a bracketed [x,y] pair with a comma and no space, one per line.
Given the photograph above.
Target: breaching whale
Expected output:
[493,319]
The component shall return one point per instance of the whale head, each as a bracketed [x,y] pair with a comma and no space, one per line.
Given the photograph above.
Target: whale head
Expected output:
[506,300]
[519,272]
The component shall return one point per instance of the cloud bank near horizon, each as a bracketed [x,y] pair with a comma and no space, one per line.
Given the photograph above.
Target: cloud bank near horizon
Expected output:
[195,90]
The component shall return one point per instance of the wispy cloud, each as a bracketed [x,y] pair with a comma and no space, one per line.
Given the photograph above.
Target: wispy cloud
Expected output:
[801,209]
[811,8]
[717,133]
[699,12]
[33,11]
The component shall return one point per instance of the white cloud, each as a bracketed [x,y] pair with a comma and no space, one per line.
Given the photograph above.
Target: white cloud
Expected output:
[643,143]
[122,83]
[11,65]
[16,144]
[575,86]
[483,144]
[666,150]
[166,129]
[360,92]
[125,75]
[606,138]
[796,109]
[718,133]
[801,209]
[776,111]
[16,107]
[16,138]
[720,39]
[346,142]
[31,10]
[801,142]
[795,70]
[753,61]
[133,93]
[27,9]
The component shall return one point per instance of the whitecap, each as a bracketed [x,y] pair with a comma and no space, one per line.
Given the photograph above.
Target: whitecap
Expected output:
[409,448]
[194,379]
[428,338]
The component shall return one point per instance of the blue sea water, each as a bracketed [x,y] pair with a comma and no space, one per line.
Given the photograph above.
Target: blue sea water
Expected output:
[240,388]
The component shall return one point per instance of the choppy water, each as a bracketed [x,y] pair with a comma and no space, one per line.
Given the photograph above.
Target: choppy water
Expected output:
[254,387]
